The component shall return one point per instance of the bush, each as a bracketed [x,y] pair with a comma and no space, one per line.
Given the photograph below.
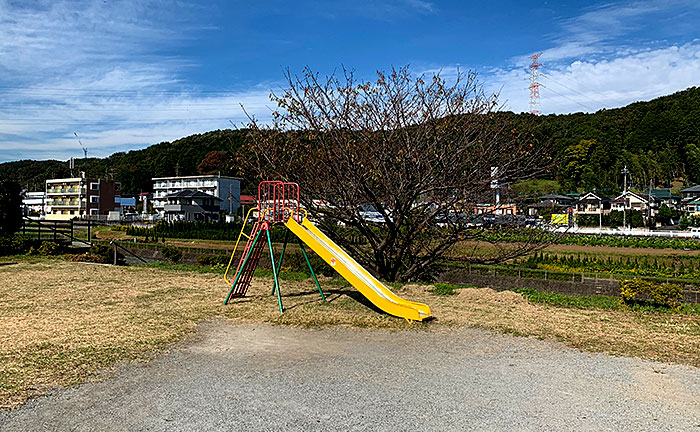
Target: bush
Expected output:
[171,253]
[48,248]
[104,253]
[213,260]
[637,290]
[16,245]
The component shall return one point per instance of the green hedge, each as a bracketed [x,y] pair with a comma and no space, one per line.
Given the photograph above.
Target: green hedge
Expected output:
[595,240]
[637,290]
[17,245]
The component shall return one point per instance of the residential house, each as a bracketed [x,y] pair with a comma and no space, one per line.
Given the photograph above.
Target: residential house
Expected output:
[633,201]
[664,196]
[592,203]
[221,187]
[552,202]
[81,197]
[192,205]
[692,207]
[498,209]
[688,197]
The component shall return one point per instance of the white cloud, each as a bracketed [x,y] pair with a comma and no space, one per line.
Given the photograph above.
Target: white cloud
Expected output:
[96,68]
[591,85]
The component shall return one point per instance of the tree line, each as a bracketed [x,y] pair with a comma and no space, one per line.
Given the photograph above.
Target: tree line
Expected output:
[658,141]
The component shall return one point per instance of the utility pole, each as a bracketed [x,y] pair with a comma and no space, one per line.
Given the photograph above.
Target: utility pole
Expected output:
[625,171]
[649,204]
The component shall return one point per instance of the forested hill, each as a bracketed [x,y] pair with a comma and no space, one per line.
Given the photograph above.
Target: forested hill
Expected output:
[658,140]
[134,169]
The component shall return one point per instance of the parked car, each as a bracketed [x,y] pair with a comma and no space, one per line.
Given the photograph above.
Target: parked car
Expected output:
[695,232]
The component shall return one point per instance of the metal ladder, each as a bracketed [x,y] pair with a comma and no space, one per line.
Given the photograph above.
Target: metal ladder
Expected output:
[247,264]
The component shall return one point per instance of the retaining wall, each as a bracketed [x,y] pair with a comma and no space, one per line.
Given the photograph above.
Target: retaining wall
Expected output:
[584,286]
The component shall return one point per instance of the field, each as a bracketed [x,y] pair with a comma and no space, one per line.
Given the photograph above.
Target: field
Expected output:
[61,322]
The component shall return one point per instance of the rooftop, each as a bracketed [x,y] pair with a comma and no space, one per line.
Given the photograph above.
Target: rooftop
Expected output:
[207,176]
[695,188]
[662,193]
[192,193]
[556,197]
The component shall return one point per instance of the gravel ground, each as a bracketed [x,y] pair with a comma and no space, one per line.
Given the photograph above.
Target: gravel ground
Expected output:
[245,377]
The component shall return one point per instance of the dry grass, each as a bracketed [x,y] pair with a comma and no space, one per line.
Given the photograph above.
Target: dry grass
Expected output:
[62,321]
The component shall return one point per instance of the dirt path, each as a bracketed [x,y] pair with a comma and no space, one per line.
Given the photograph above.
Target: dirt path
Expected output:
[260,377]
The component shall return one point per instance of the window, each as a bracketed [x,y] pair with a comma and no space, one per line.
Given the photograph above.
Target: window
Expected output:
[93,212]
[509,211]
[94,186]
[94,199]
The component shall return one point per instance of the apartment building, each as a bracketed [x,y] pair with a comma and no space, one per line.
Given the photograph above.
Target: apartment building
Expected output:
[221,187]
[81,198]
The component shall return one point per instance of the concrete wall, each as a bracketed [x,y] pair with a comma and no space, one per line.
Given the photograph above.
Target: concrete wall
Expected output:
[587,286]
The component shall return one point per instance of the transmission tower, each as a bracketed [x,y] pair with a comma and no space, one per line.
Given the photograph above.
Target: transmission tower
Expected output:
[534,85]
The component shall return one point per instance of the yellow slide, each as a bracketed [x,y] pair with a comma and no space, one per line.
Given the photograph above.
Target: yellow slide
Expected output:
[354,273]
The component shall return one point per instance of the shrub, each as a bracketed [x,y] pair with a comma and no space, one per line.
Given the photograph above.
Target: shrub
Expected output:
[171,253]
[14,245]
[104,253]
[49,248]
[213,260]
[637,290]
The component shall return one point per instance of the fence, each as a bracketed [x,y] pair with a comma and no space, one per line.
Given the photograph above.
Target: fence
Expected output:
[58,230]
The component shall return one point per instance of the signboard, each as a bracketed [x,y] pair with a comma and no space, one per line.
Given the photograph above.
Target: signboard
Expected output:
[560,218]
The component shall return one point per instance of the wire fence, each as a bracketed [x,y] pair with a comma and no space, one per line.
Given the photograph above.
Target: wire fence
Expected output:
[536,273]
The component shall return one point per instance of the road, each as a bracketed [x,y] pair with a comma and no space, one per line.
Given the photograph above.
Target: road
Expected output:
[254,377]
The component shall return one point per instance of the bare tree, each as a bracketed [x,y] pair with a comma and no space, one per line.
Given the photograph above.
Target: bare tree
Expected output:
[418,150]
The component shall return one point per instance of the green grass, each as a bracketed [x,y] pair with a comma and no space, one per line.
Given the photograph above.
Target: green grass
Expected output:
[446,289]
[601,302]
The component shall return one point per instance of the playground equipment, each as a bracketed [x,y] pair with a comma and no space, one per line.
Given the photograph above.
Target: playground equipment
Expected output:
[278,203]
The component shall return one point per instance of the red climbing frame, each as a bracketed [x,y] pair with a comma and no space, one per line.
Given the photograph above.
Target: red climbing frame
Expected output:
[276,200]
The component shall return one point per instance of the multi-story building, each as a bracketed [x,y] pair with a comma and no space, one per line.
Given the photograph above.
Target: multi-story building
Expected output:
[33,203]
[81,197]
[227,189]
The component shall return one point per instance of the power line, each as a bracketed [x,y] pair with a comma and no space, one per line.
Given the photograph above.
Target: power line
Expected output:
[573,90]
[567,97]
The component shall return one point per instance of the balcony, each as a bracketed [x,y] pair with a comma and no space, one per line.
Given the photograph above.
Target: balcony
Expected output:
[65,191]
[74,203]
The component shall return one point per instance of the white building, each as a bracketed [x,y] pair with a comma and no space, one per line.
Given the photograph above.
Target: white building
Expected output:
[33,202]
[219,186]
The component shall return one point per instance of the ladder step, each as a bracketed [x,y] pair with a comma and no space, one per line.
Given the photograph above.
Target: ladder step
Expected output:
[246,268]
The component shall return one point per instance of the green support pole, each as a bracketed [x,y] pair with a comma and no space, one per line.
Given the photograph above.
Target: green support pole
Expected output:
[279,266]
[238,275]
[274,271]
[318,285]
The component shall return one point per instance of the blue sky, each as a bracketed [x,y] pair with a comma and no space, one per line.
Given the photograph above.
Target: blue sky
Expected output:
[127,74]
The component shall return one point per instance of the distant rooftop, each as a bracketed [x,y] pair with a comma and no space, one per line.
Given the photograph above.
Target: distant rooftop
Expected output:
[195,177]
[192,193]
[663,193]
[695,188]
[556,197]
